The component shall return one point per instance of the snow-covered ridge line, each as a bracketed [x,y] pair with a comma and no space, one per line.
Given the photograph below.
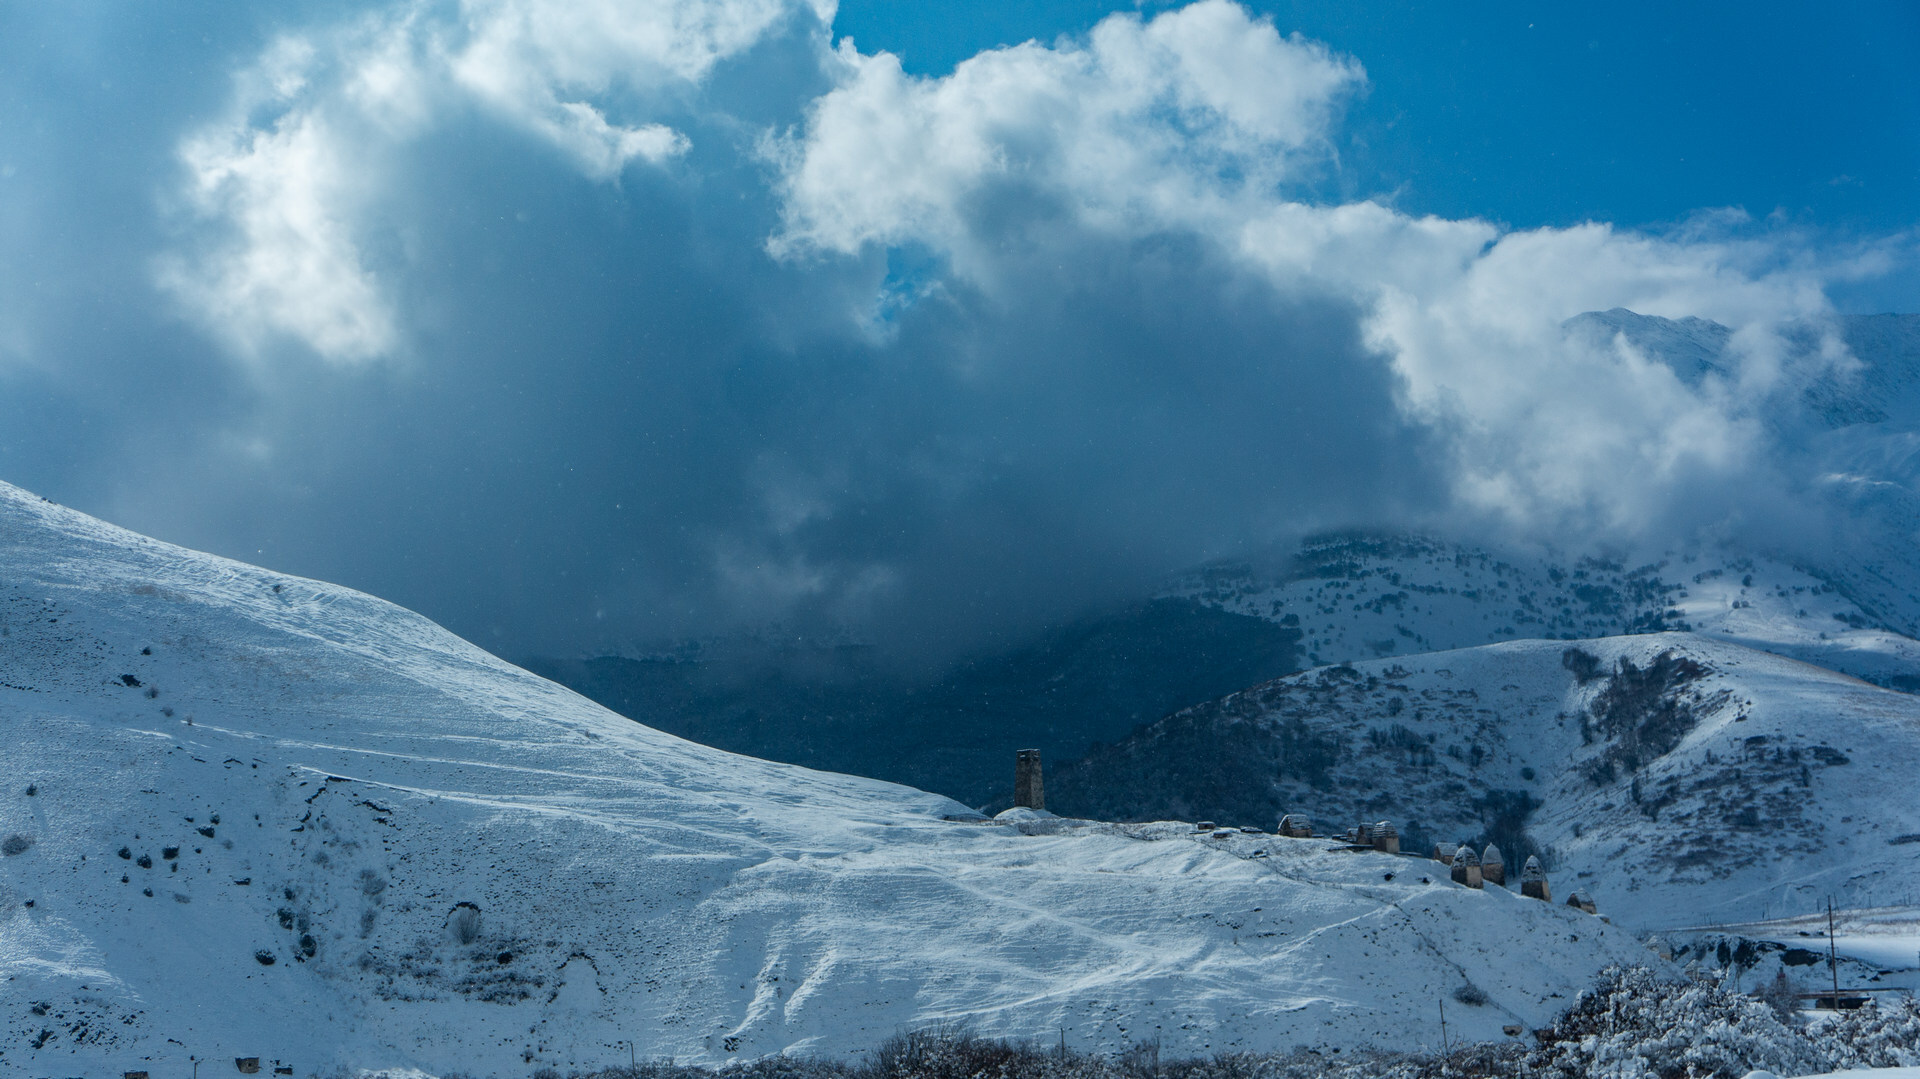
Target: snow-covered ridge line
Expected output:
[1357,596]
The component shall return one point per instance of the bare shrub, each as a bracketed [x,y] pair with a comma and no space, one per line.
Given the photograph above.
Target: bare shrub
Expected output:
[464,923]
[1469,993]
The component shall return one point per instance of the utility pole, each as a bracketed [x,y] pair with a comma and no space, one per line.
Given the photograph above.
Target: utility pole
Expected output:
[1833,962]
[1445,1049]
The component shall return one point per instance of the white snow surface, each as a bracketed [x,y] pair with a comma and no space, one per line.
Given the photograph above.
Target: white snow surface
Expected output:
[455,865]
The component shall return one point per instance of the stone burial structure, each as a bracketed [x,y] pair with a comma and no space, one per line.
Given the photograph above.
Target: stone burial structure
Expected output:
[1466,868]
[1381,836]
[1477,870]
[1493,867]
[1533,881]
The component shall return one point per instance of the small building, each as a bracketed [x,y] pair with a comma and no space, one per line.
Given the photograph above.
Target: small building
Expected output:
[1384,837]
[1493,866]
[1533,881]
[1442,855]
[1296,825]
[1466,867]
[1580,900]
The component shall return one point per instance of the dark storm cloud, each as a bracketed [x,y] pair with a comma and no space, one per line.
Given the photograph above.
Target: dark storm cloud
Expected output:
[95,372]
[575,341]
[617,435]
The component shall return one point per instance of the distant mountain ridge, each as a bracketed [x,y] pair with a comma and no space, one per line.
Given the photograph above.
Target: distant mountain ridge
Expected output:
[1884,388]
[1846,427]
[1678,779]
[1356,596]
[1341,598]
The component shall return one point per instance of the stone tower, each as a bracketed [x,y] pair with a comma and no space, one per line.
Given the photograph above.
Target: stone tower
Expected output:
[1028,791]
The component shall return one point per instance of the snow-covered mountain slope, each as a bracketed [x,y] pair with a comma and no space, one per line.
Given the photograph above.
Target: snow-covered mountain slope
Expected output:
[1844,419]
[1678,779]
[252,815]
[1364,596]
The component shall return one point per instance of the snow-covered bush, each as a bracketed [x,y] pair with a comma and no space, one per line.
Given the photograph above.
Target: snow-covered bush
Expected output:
[1470,993]
[1884,1034]
[1634,1024]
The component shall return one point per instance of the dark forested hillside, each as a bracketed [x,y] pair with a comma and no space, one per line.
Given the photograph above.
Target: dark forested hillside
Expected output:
[955,731]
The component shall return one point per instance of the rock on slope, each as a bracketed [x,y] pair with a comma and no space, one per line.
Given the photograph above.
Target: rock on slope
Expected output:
[1678,779]
[252,815]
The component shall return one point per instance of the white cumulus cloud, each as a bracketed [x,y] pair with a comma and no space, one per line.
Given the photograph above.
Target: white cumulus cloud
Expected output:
[1197,123]
[285,192]
[281,184]
[1174,119]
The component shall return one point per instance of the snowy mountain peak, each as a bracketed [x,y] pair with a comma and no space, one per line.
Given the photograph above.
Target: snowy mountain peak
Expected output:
[1693,347]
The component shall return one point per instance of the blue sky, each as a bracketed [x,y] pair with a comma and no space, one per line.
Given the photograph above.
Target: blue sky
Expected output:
[1550,114]
[591,325]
